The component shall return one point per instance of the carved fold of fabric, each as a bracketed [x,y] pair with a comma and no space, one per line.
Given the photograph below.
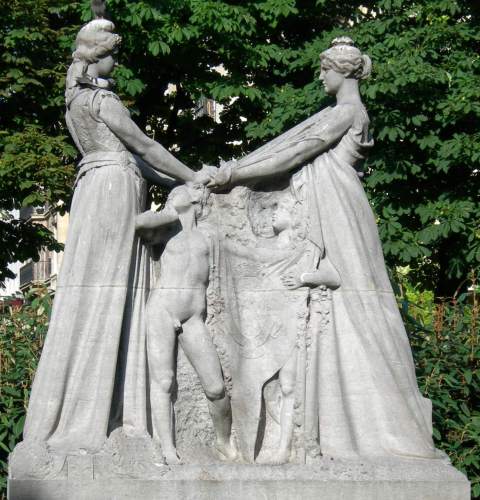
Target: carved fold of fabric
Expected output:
[261,327]
[303,131]
[98,307]
[368,400]
[98,159]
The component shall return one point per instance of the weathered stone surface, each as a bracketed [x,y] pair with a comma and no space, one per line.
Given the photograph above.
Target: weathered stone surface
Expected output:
[270,328]
[327,480]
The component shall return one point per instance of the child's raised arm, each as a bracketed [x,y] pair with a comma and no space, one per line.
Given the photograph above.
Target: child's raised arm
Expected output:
[148,223]
[151,220]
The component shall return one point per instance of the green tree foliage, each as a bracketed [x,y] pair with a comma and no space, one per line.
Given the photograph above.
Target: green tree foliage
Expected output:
[36,158]
[425,105]
[423,98]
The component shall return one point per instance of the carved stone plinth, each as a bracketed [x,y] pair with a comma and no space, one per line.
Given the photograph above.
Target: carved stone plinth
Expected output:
[325,480]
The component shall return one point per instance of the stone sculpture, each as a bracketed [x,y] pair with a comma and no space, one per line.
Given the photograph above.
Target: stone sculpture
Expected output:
[176,307]
[271,280]
[369,403]
[91,376]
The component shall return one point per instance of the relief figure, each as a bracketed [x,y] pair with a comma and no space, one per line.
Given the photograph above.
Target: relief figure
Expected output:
[367,402]
[176,311]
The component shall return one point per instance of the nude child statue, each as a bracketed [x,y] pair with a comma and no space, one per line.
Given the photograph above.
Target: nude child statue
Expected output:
[322,274]
[176,309]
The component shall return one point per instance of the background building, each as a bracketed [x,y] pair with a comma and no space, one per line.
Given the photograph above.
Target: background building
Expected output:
[45,271]
[208,107]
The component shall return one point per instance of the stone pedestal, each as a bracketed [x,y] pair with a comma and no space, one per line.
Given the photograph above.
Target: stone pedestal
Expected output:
[87,478]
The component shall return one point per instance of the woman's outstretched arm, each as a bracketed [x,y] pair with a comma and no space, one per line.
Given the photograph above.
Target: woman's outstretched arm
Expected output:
[292,153]
[118,120]
[154,176]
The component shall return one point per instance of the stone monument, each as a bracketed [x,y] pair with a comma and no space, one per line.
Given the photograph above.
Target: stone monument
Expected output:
[244,341]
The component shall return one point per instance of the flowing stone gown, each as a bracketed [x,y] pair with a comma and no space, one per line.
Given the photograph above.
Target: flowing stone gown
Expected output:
[86,383]
[364,398]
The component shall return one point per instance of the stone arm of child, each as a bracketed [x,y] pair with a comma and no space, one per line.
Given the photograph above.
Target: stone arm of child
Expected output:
[149,224]
[325,275]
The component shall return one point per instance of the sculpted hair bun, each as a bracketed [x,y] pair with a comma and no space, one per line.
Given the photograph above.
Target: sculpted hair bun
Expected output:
[342,40]
[344,57]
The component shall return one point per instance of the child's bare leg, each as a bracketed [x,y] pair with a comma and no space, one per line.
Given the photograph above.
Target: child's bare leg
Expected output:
[198,346]
[161,338]
[287,378]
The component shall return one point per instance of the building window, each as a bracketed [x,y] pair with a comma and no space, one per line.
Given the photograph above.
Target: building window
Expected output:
[206,107]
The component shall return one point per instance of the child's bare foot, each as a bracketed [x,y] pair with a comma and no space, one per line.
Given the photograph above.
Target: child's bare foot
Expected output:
[226,451]
[171,457]
[279,457]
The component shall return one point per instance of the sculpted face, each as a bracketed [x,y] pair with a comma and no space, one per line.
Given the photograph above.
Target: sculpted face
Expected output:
[180,199]
[184,197]
[281,218]
[332,80]
[105,66]
[196,192]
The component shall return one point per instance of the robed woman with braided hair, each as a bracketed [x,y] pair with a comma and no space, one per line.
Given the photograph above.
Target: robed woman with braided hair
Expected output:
[362,397]
[92,373]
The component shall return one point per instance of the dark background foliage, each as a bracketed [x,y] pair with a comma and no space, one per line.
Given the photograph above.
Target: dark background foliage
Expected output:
[423,99]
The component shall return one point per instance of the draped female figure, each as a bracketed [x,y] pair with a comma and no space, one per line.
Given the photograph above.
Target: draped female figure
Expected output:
[365,397]
[92,373]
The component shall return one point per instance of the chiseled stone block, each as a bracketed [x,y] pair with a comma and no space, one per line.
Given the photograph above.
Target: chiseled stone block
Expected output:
[326,480]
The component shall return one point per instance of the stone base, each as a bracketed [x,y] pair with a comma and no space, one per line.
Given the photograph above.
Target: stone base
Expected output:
[326,480]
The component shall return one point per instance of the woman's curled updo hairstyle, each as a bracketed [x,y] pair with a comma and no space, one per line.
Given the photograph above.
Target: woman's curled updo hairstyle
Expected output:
[346,59]
[94,41]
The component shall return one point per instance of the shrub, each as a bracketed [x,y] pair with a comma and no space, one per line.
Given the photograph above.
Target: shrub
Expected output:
[22,330]
[445,339]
